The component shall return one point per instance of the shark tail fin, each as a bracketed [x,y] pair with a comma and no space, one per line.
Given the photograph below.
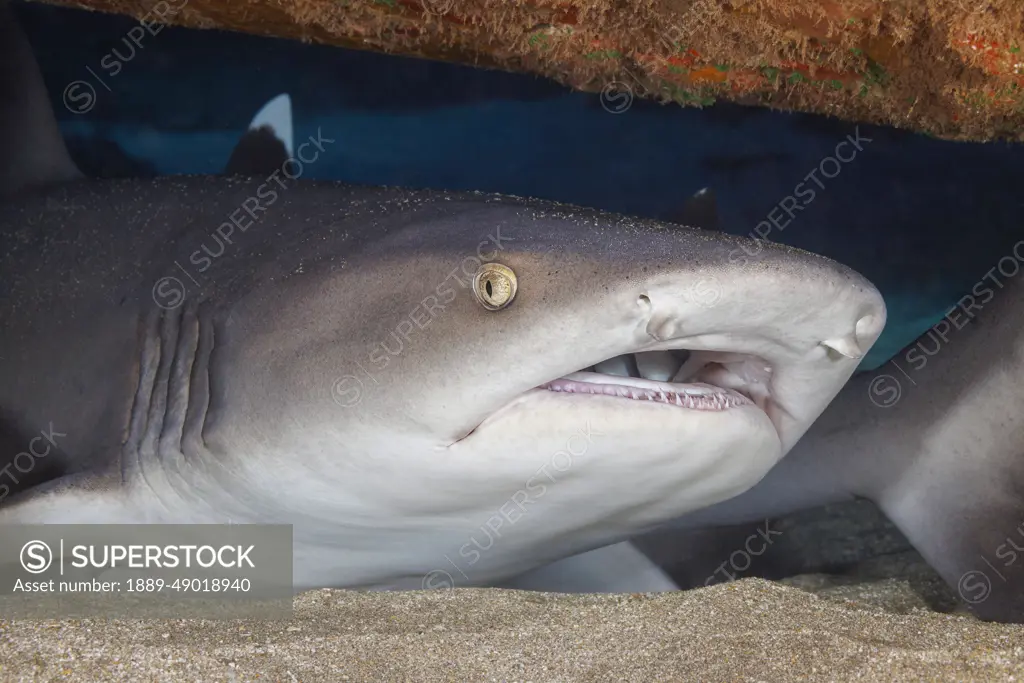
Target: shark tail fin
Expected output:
[268,143]
[33,151]
[960,506]
[964,512]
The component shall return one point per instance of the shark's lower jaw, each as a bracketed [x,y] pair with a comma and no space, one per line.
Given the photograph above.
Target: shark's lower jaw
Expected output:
[690,396]
[700,380]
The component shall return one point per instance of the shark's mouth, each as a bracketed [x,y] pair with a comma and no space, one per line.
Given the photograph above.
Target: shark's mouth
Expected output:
[695,380]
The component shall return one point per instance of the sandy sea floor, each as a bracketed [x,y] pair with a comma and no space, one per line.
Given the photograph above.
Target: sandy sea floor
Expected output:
[749,630]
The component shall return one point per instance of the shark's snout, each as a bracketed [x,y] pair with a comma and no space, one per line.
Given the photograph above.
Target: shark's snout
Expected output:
[781,339]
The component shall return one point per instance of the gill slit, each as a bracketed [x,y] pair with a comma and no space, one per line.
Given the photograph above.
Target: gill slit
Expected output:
[171,400]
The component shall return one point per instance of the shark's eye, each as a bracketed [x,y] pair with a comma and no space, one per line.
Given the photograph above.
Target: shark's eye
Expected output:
[494,286]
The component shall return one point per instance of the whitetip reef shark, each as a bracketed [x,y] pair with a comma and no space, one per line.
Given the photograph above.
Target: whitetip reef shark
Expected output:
[388,370]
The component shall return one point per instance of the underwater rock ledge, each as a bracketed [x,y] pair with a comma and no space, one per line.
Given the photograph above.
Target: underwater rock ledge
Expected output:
[943,67]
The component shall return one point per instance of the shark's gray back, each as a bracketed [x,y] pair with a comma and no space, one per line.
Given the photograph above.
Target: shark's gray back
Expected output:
[83,263]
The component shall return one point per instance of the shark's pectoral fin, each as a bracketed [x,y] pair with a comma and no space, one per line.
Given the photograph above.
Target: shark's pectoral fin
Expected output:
[967,520]
[32,151]
[268,143]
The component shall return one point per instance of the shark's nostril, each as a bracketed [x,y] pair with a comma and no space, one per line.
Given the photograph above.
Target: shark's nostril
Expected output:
[844,346]
[644,300]
[868,328]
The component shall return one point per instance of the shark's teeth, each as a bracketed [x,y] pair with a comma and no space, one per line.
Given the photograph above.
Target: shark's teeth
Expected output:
[691,396]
